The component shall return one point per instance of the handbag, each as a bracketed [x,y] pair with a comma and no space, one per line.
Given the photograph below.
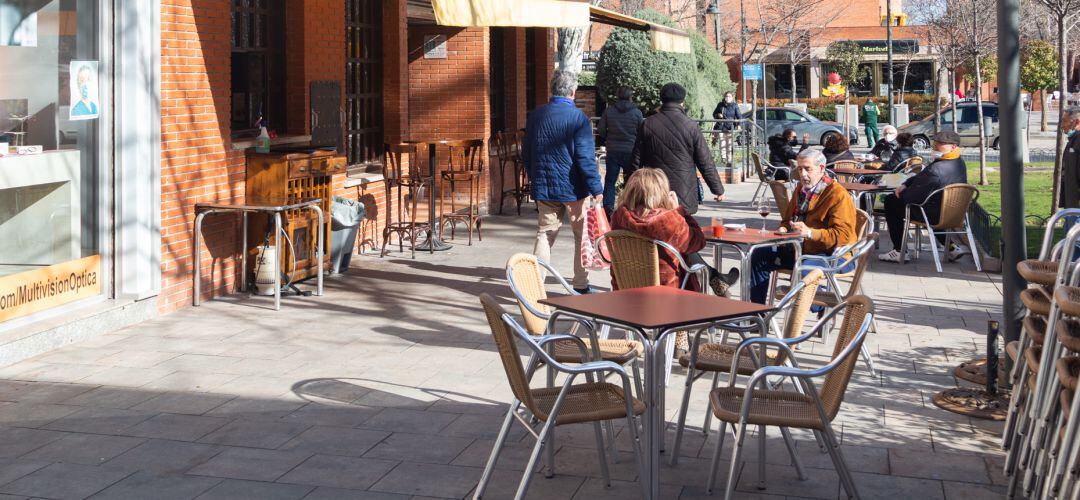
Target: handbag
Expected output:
[596,225]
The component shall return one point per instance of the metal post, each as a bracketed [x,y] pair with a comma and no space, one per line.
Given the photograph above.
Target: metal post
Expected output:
[1012,166]
[889,51]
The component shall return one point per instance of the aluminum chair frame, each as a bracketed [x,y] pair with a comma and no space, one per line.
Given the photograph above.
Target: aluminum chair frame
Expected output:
[1036,452]
[693,374]
[933,233]
[546,433]
[833,267]
[802,378]
[1016,421]
[763,179]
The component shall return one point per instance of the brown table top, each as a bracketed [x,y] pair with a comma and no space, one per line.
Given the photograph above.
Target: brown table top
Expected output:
[749,236]
[656,307]
[864,188]
[859,171]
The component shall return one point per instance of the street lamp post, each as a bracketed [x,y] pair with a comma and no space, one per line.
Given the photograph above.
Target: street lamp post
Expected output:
[889,51]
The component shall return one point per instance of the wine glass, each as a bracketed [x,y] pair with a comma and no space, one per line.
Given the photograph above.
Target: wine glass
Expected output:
[763,209]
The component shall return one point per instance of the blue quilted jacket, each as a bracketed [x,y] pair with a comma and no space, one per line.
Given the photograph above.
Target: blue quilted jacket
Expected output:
[560,153]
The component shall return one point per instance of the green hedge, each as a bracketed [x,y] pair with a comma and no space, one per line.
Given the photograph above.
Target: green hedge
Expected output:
[628,59]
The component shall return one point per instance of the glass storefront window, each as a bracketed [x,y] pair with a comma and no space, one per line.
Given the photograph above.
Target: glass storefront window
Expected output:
[53,96]
[780,76]
[919,80]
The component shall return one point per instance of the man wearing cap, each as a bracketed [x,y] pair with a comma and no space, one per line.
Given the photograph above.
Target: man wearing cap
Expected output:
[947,168]
[670,141]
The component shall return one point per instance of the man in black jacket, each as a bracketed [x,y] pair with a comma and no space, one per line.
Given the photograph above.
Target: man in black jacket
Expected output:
[948,168]
[618,132]
[782,151]
[1070,162]
[670,141]
[728,111]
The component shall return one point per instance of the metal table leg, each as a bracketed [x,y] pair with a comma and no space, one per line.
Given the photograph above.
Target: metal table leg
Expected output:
[197,269]
[277,261]
[243,252]
[320,249]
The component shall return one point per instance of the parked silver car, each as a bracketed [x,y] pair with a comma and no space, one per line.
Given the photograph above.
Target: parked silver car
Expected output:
[967,121]
[803,123]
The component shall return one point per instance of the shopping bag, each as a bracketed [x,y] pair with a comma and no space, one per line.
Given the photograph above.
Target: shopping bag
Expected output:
[596,225]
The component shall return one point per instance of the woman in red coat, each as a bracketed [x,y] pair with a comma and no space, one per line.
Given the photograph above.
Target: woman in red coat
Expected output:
[648,207]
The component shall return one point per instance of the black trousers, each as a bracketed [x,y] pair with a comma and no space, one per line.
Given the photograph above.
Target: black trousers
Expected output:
[895,210]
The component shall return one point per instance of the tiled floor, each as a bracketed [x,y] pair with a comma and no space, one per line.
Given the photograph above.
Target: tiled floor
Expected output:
[388,387]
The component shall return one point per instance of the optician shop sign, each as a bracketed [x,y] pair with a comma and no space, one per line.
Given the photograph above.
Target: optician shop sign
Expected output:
[32,291]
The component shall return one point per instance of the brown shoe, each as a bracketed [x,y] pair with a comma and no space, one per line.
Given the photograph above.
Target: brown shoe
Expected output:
[721,283]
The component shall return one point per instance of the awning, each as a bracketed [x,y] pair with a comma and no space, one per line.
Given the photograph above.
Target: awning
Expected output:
[552,14]
[522,13]
[663,38]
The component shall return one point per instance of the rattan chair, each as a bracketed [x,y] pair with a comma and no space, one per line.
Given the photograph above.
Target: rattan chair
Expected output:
[508,148]
[525,273]
[911,165]
[464,167]
[401,171]
[831,167]
[781,195]
[717,358]
[806,408]
[764,178]
[952,219]
[572,403]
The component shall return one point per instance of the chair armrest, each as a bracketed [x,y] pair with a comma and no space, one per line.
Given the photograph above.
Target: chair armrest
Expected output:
[558,277]
[766,341]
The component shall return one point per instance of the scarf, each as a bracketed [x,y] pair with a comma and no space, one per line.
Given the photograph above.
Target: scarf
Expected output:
[805,196]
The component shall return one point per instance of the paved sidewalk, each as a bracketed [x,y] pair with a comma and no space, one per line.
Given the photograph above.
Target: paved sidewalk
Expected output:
[389,387]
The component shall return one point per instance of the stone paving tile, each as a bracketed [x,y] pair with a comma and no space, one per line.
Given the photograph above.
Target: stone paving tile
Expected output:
[443,481]
[594,488]
[416,422]
[504,484]
[43,392]
[141,485]
[896,487]
[969,491]
[176,427]
[183,402]
[419,448]
[249,463]
[11,470]
[64,481]
[255,409]
[233,489]
[341,415]
[122,376]
[341,472]
[170,457]
[86,449]
[33,414]
[324,493]
[136,359]
[938,465]
[109,397]
[100,420]
[255,433]
[190,381]
[337,441]
[15,441]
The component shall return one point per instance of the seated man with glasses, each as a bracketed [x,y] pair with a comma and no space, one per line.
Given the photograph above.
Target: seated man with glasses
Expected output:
[821,211]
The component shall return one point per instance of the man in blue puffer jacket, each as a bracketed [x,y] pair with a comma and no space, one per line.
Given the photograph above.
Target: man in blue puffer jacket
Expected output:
[560,156]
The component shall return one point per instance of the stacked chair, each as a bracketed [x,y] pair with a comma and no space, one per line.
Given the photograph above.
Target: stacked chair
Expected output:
[1043,453]
[764,178]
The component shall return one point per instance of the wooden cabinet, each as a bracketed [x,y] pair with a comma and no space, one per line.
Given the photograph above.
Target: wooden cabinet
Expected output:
[291,176]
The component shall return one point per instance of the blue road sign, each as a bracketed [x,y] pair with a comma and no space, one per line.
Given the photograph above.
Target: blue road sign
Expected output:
[752,72]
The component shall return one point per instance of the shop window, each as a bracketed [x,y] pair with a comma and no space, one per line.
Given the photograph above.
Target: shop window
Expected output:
[54,97]
[363,81]
[497,78]
[780,74]
[258,66]
[862,87]
[920,77]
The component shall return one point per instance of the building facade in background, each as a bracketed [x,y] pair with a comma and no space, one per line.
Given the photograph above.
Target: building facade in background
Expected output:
[144,109]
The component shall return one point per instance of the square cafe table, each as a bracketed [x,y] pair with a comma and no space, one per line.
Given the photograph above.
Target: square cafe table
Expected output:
[745,241]
[653,313]
[860,190]
[859,171]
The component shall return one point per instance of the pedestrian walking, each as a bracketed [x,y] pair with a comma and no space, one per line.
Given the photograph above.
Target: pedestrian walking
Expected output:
[670,141]
[618,131]
[870,118]
[727,111]
[560,156]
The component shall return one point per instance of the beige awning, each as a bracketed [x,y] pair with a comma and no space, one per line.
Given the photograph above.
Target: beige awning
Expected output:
[523,13]
[663,38]
[552,14]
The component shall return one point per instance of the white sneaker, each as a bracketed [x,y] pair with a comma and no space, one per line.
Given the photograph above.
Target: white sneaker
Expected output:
[958,251]
[890,256]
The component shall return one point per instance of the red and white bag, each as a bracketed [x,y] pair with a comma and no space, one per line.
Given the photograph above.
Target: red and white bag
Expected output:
[596,225]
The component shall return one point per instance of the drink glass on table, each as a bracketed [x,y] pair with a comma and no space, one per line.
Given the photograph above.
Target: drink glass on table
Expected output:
[717,227]
[763,208]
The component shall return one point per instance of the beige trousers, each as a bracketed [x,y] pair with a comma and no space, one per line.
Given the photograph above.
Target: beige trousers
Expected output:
[549,221]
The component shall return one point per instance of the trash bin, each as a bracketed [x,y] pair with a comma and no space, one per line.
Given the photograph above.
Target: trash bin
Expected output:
[345,218]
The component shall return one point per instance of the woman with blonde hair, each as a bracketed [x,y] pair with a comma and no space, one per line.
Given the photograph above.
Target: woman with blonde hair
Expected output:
[648,207]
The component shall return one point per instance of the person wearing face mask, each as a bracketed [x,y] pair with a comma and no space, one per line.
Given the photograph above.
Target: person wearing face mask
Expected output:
[885,146]
[870,117]
[729,111]
[1069,194]
[782,151]
[946,168]
[904,151]
[821,211]
[86,106]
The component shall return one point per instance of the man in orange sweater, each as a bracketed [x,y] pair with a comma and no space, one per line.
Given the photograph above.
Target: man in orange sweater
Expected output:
[821,211]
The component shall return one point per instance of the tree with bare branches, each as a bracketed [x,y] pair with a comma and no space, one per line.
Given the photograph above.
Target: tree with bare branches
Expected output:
[801,22]
[571,46]
[978,44]
[1065,13]
[944,32]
